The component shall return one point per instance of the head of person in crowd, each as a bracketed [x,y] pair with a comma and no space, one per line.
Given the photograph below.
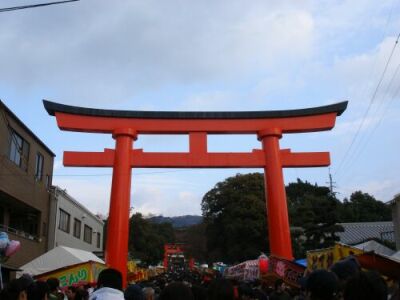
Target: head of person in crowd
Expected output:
[109,286]
[367,286]
[110,278]
[280,286]
[176,291]
[53,284]
[199,292]
[71,292]
[38,290]
[246,292]
[148,293]
[81,294]
[321,285]
[346,268]
[220,289]
[16,289]
[134,292]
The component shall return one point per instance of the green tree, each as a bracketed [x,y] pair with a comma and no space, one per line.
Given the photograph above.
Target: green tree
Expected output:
[363,207]
[196,241]
[235,219]
[315,210]
[146,239]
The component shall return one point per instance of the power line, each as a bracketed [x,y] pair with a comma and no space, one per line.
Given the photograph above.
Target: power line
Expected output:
[103,174]
[372,100]
[381,108]
[34,5]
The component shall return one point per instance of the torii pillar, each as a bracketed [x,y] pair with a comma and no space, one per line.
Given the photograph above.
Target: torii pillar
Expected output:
[125,126]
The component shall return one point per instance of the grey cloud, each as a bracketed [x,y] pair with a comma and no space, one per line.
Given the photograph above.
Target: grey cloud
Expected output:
[117,49]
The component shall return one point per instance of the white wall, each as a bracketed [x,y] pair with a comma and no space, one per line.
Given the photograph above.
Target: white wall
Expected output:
[76,211]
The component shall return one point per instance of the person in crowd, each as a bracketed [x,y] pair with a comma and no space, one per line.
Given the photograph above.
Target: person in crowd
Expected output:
[366,286]
[109,286]
[71,292]
[246,292]
[134,292]
[280,291]
[54,284]
[258,291]
[394,293]
[199,292]
[148,293]
[176,291]
[81,294]
[321,285]
[39,290]
[345,269]
[220,289]
[15,290]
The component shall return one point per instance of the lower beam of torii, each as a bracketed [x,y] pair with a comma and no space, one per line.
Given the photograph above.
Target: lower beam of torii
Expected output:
[125,126]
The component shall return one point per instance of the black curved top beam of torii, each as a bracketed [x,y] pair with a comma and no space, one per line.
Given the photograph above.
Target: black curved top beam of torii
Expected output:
[53,107]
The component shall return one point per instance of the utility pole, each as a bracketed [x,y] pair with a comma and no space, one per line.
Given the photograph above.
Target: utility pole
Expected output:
[331,183]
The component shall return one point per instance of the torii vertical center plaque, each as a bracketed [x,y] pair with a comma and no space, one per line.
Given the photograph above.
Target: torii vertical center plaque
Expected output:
[126,126]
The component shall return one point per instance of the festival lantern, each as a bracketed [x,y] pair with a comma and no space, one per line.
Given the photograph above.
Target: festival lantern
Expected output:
[263,264]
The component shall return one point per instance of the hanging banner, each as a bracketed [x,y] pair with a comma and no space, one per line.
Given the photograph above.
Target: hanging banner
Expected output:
[247,271]
[289,271]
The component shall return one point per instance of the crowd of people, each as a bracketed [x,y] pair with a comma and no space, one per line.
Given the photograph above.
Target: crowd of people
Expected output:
[344,281]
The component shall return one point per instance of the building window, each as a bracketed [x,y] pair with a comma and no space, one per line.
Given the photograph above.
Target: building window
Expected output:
[39,167]
[44,229]
[19,150]
[48,181]
[98,240]
[64,221]
[77,228]
[87,234]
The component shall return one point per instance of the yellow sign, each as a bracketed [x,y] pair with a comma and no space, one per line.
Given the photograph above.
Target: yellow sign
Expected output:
[82,273]
[325,258]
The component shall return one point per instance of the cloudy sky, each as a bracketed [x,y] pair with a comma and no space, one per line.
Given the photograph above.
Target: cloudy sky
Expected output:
[203,56]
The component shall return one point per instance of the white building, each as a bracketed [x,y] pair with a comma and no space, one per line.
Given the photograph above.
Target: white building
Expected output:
[73,225]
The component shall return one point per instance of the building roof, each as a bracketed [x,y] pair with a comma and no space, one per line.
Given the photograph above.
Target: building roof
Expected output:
[376,247]
[355,233]
[53,107]
[26,128]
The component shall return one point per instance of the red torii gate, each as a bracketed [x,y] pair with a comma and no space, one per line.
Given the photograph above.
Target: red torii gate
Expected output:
[125,126]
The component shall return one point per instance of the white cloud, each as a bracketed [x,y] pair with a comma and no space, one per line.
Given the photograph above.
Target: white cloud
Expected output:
[93,194]
[382,189]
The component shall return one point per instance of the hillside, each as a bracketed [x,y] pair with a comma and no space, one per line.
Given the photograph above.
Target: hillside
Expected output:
[178,222]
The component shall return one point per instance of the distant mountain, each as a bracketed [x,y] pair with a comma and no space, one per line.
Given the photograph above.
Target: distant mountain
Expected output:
[177,222]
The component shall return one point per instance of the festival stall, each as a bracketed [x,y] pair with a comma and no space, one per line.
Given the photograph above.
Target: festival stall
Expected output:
[369,260]
[75,275]
[57,258]
[135,273]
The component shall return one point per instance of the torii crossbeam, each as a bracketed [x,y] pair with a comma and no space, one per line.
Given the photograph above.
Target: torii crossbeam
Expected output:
[125,126]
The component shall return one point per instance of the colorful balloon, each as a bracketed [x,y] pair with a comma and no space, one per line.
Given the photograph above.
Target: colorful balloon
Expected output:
[3,241]
[13,247]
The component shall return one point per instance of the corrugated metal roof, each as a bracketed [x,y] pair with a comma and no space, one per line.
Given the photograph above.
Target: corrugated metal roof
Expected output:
[376,247]
[355,233]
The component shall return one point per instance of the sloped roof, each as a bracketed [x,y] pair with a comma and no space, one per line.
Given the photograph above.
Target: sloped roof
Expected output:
[355,233]
[57,258]
[396,256]
[376,247]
